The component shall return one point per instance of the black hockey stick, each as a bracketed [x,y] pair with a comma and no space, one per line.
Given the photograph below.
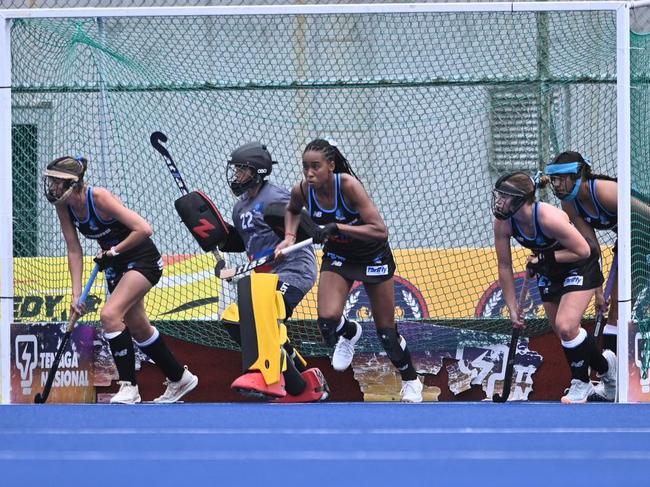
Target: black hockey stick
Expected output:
[253,264]
[611,279]
[512,351]
[41,397]
[157,140]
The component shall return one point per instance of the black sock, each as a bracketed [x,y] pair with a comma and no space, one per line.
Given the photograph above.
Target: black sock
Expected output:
[348,330]
[293,356]
[406,369]
[578,359]
[398,352]
[124,356]
[157,350]
[596,359]
[610,342]
[293,381]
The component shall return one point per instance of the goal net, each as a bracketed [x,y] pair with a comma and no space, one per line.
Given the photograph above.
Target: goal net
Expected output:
[429,108]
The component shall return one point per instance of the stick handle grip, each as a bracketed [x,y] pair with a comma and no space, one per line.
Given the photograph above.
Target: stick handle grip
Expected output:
[299,245]
[609,285]
[84,295]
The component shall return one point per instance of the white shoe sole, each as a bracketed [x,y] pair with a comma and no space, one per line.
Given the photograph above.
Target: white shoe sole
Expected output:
[137,400]
[188,387]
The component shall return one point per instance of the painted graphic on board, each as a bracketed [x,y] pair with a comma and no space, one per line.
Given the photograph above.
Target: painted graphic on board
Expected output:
[34,346]
[492,304]
[409,302]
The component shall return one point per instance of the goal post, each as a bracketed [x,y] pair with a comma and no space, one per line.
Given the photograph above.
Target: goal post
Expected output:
[6,244]
[430,102]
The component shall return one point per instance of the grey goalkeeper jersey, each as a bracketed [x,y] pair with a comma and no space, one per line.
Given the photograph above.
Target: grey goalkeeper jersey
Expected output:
[298,268]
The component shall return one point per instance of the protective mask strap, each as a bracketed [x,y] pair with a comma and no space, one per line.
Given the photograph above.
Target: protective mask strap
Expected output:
[574,192]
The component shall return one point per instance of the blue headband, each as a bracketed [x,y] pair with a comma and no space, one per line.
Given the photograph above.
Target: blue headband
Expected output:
[564,168]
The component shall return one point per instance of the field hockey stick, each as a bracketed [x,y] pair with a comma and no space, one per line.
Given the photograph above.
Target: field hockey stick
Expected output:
[512,351]
[40,398]
[253,264]
[157,140]
[609,286]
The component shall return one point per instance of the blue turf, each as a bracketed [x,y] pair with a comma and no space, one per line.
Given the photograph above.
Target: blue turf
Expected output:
[325,444]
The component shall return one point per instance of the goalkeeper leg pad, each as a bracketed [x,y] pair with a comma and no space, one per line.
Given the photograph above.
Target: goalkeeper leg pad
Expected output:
[261,309]
[316,388]
[230,321]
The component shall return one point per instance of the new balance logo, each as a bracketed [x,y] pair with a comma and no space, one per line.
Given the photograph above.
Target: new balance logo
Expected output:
[203,230]
[120,353]
[577,365]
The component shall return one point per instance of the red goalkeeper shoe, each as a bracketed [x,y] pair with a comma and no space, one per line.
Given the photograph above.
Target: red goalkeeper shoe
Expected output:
[252,384]
[316,388]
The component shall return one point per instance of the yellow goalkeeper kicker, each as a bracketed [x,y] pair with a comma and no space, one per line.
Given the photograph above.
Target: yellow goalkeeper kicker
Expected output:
[231,315]
[261,309]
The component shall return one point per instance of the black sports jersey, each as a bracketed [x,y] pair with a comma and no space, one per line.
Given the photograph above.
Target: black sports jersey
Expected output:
[538,242]
[109,233]
[342,247]
[560,278]
[603,219]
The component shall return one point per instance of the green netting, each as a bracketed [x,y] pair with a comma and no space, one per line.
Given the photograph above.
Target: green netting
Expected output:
[429,109]
[640,182]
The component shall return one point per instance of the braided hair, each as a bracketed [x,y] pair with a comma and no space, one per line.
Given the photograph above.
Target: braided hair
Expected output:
[331,153]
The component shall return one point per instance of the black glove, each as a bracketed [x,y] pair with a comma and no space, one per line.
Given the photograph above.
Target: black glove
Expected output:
[104,259]
[542,264]
[323,233]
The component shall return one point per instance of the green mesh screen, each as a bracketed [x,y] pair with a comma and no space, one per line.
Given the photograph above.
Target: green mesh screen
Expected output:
[640,182]
[429,108]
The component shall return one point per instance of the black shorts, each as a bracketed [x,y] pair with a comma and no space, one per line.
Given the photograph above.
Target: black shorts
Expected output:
[150,267]
[565,278]
[374,272]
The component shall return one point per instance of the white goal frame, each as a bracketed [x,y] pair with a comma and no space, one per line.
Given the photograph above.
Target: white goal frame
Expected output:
[622,10]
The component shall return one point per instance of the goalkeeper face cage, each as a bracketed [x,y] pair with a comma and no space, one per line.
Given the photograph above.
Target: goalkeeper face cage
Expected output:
[507,198]
[248,166]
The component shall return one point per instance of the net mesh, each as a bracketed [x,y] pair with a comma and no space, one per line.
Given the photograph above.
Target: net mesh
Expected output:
[640,184]
[429,109]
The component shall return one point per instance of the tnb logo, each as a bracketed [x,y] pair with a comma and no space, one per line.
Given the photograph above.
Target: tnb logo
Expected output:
[26,358]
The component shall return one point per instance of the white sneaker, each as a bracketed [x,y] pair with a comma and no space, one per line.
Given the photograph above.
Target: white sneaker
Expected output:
[607,386]
[176,390]
[412,390]
[344,350]
[578,393]
[128,394]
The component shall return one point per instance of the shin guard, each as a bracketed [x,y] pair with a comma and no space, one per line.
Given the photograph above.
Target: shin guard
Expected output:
[395,346]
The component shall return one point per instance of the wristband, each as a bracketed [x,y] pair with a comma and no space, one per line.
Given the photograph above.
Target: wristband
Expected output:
[112,252]
[290,234]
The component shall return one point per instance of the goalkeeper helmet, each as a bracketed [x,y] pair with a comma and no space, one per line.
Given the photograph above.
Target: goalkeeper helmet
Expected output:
[62,176]
[248,166]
